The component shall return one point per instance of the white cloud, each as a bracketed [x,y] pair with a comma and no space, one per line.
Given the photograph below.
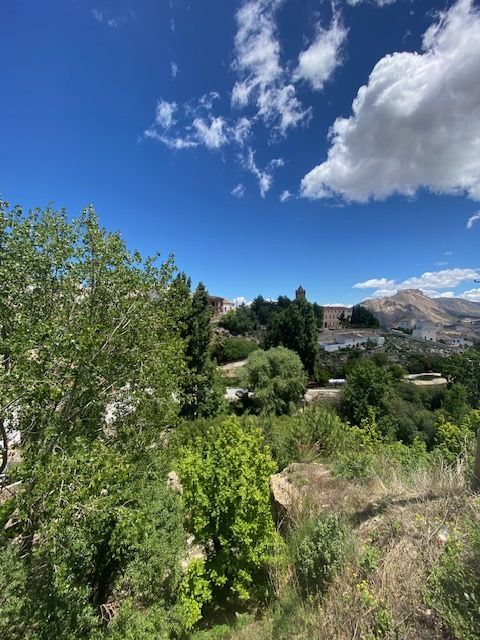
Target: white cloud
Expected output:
[285,195]
[317,63]
[172,142]
[416,123]
[240,300]
[164,113]
[374,283]
[264,176]
[174,69]
[380,3]
[262,80]
[471,221]
[472,294]
[212,134]
[238,191]
[431,283]
[98,15]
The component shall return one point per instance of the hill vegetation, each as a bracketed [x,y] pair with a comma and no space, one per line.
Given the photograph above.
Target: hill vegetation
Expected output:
[139,504]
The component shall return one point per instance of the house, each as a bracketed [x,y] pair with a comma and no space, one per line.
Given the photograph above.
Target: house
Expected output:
[350,340]
[457,342]
[425,332]
[220,305]
[408,325]
[333,316]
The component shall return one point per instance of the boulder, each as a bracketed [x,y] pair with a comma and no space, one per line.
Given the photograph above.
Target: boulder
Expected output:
[303,485]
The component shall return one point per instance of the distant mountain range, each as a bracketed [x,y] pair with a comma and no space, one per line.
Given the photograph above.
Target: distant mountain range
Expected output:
[412,304]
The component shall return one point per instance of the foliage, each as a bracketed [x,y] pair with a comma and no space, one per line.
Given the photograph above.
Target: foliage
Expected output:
[320,554]
[277,379]
[240,322]
[231,349]
[303,437]
[263,310]
[464,368]
[455,403]
[367,386]
[202,396]
[295,327]
[225,476]
[454,586]
[92,354]
[194,592]
[452,440]
[362,317]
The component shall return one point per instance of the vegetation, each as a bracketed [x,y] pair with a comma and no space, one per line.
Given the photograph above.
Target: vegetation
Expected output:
[141,507]
[276,379]
[363,318]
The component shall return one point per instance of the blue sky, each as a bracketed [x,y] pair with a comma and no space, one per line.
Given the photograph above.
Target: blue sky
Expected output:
[266,143]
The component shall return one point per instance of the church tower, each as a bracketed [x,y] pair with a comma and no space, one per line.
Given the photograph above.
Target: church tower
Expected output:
[300,293]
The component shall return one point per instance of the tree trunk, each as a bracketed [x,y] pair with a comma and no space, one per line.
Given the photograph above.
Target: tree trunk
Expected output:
[3,447]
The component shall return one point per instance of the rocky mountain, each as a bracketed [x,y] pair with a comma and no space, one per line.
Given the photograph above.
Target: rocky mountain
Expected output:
[412,304]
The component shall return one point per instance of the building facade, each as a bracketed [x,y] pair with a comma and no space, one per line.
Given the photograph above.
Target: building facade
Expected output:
[333,316]
[220,305]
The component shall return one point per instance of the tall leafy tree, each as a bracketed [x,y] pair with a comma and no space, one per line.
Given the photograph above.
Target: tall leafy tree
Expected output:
[202,391]
[295,328]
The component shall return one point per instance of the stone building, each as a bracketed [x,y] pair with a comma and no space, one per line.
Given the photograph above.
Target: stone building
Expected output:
[333,316]
[220,305]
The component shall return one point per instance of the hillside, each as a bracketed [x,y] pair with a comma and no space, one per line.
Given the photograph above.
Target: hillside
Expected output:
[412,304]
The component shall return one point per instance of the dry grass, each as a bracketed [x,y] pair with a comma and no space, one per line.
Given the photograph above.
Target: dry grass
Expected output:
[405,520]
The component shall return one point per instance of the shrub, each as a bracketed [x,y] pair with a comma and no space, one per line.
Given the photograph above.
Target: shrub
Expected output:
[452,440]
[231,349]
[367,386]
[454,586]
[317,431]
[225,476]
[277,379]
[320,554]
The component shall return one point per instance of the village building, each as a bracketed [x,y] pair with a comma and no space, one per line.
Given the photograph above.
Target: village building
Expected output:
[220,305]
[350,340]
[300,293]
[333,316]
[426,332]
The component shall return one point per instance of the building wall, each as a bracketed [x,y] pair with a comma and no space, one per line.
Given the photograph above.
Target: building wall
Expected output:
[332,315]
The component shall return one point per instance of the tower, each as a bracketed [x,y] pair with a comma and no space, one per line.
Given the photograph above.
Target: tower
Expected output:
[300,293]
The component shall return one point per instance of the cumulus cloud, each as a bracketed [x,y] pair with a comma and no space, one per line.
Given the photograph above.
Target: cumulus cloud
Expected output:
[374,283]
[432,283]
[264,176]
[238,191]
[472,294]
[262,80]
[416,123]
[317,63]
[471,221]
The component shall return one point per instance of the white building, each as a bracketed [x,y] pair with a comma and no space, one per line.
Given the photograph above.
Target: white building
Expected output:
[426,332]
[350,340]
[220,305]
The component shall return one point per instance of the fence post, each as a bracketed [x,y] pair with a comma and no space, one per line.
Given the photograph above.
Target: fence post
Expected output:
[476,466]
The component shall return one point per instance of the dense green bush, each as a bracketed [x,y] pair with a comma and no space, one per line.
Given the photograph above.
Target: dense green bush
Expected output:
[225,475]
[453,589]
[276,378]
[231,349]
[368,385]
[240,322]
[320,553]
[315,432]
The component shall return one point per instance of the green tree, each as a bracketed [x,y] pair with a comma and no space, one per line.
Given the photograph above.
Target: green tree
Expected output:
[295,328]
[241,321]
[263,310]
[225,477]
[368,386]
[362,317]
[203,395]
[277,379]
[92,363]
[465,369]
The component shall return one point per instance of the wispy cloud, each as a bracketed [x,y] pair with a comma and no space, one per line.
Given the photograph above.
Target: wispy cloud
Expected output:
[471,221]
[174,69]
[238,191]
[264,176]
[285,195]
